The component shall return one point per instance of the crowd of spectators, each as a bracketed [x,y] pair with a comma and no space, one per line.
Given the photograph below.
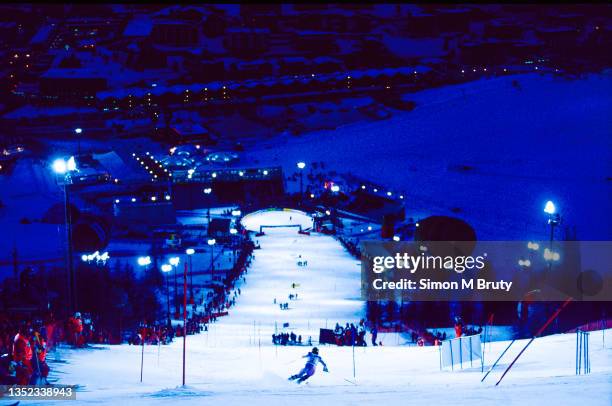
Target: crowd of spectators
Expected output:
[289,339]
[351,334]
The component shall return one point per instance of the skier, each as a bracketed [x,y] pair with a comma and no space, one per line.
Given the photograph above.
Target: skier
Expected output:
[310,367]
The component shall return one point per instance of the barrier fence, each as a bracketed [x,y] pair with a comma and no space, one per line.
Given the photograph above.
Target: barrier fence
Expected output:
[460,350]
[583,362]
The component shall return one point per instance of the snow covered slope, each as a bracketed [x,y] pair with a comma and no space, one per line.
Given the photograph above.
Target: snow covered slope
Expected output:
[328,288]
[233,363]
[243,374]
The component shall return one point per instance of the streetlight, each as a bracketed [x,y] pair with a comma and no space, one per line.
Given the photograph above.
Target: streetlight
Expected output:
[190,252]
[207,192]
[301,165]
[64,167]
[212,242]
[165,268]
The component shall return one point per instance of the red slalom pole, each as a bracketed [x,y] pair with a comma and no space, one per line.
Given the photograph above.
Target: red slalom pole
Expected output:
[540,331]
[184,318]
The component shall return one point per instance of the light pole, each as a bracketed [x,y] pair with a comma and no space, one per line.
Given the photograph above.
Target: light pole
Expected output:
[212,242]
[207,192]
[78,132]
[553,220]
[233,233]
[174,261]
[64,167]
[165,269]
[190,252]
[301,165]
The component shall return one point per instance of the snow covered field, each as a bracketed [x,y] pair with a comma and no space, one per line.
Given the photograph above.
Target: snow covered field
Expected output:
[235,363]
[490,151]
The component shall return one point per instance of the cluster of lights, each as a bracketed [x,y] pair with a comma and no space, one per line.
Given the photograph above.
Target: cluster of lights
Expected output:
[375,190]
[534,246]
[524,263]
[154,167]
[62,166]
[144,261]
[95,257]
[550,255]
[152,198]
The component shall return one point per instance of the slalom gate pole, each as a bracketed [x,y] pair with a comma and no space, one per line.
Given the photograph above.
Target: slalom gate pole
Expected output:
[184,318]
[498,359]
[141,356]
[353,360]
[577,349]
[490,329]
[540,331]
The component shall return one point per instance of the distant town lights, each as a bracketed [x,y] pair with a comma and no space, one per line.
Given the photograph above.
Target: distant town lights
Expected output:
[78,130]
[265,172]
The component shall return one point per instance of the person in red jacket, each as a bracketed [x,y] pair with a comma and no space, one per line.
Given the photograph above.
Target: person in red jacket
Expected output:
[22,356]
[39,363]
[458,327]
[75,327]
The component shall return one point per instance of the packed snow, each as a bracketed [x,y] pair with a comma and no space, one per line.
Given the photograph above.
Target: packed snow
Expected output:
[235,362]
